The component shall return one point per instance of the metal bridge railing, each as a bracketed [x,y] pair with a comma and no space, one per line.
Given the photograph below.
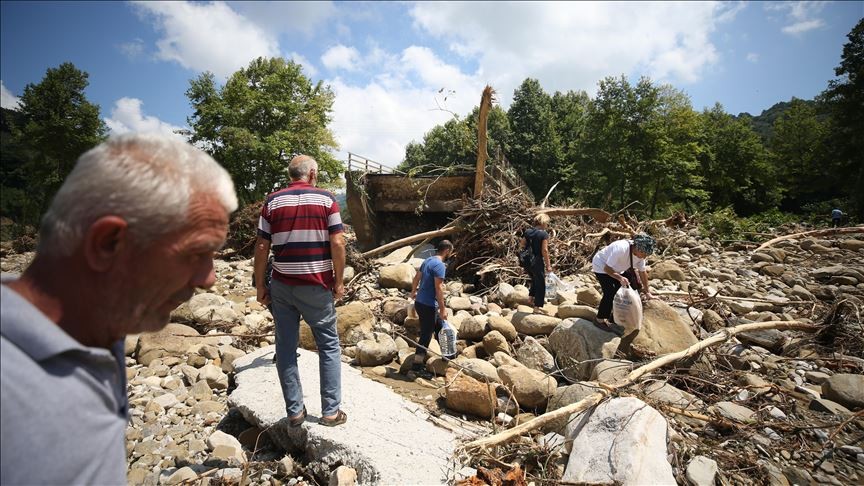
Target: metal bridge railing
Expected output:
[365,164]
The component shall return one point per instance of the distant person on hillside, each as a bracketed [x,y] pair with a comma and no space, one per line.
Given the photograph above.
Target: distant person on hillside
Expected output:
[128,237]
[836,216]
[613,265]
[537,238]
[302,225]
[427,290]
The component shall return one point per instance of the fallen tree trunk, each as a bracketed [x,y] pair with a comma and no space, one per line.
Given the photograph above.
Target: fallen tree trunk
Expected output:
[598,214]
[822,232]
[447,230]
[595,398]
[737,299]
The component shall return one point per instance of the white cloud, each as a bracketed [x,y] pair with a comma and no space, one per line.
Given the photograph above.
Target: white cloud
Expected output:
[401,103]
[279,17]
[801,17]
[7,99]
[341,57]
[126,116]
[753,57]
[207,37]
[132,49]
[309,69]
[573,45]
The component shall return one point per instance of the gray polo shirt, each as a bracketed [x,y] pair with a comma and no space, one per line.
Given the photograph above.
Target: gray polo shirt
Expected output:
[63,405]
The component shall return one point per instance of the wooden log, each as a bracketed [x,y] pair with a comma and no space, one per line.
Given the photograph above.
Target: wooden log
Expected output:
[564,412]
[447,230]
[598,214]
[482,155]
[822,232]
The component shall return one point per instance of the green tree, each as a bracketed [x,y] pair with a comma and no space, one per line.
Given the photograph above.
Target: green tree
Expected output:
[570,114]
[444,146]
[735,165]
[798,147]
[535,147]
[845,98]
[55,125]
[263,115]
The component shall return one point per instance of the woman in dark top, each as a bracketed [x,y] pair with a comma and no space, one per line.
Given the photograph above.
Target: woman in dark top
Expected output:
[538,238]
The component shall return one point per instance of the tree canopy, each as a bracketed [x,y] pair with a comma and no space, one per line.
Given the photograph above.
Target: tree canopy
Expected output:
[262,116]
[55,124]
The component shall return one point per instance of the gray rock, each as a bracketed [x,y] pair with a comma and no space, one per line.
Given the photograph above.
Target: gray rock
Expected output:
[575,341]
[702,471]
[399,276]
[381,349]
[534,324]
[567,311]
[531,388]
[181,475]
[611,370]
[827,406]
[733,411]
[343,476]
[622,441]
[504,326]
[473,328]
[215,378]
[480,369]
[668,271]
[533,355]
[846,389]
[494,342]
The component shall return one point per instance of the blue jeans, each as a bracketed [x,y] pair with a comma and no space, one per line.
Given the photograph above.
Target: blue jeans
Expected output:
[315,305]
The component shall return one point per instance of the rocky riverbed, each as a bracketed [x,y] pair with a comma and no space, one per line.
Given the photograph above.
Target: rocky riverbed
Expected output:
[768,407]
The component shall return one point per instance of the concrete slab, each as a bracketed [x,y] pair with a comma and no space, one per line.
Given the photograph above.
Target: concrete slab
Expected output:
[387,439]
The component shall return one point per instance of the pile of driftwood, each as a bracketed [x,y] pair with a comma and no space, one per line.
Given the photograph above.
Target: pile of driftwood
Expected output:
[487,233]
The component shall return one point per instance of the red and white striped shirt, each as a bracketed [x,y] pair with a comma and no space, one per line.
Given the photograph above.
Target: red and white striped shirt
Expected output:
[298,221]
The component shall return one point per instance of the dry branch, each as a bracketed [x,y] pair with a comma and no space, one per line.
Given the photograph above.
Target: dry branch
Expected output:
[598,214]
[595,398]
[447,230]
[822,232]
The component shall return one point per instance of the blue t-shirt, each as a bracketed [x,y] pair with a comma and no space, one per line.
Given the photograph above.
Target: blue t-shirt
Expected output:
[836,214]
[432,267]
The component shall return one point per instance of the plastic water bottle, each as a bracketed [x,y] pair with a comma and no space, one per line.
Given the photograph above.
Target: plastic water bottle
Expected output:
[551,286]
[447,340]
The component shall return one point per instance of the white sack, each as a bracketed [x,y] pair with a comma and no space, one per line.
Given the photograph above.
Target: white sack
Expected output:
[627,309]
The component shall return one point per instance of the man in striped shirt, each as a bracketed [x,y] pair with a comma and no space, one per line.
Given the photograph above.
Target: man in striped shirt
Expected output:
[301,224]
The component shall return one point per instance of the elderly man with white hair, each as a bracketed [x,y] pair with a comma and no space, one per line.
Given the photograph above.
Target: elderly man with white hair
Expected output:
[129,236]
[301,224]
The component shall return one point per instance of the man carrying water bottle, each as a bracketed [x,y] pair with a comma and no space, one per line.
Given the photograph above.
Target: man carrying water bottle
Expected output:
[427,290]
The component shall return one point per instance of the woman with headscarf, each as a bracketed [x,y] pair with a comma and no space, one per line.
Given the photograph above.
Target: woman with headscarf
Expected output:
[621,263]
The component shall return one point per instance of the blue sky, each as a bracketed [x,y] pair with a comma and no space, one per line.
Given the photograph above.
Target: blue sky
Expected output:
[387,61]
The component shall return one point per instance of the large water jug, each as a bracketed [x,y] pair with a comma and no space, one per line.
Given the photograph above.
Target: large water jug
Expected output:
[551,286]
[447,340]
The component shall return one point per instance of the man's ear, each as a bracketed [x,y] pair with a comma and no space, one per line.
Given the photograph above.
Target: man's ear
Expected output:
[104,241]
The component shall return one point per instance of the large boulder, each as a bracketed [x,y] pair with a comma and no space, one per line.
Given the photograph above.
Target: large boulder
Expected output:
[381,349]
[845,389]
[399,276]
[479,369]
[173,340]
[663,331]
[504,326]
[623,441]
[354,323]
[589,296]
[566,395]
[473,328]
[668,271]
[534,324]
[611,370]
[567,311]
[494,342]
[464,394]
[531,388]
[395,310]
[533,355]
[575,341]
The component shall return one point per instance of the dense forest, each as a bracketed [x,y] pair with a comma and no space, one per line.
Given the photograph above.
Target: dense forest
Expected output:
[637,142]
[645,142]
